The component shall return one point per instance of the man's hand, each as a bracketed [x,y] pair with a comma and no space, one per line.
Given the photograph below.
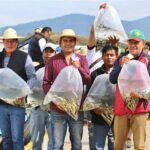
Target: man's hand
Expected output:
[113,40]
[20,101]
[134,95]
[98,111]
[104,5]
[124,60]
[76,64]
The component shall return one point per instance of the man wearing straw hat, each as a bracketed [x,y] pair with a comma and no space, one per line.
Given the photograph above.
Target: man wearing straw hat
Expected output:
[60,119]
[11,117]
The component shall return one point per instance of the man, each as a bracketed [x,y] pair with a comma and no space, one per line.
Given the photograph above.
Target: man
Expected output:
[125,118]
[146,49]
[37,44]
[100,127]
[11,117]
[95,61]
[49,51]
[60,119]
[40,118]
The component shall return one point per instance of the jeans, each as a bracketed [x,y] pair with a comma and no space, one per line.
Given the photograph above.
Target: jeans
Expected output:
[12,126]
[91,137]
[60,121]
[100,132]
[40,119]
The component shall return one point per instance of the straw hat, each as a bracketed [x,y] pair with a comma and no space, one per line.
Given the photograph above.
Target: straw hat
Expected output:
[68,33]
[10,34]
[38,30]
[83,51]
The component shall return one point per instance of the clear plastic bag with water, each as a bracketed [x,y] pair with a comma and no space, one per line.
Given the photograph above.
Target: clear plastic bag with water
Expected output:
[101,95]
[107,23]
[66,91]
[12,87]
[36,98]
[134,78]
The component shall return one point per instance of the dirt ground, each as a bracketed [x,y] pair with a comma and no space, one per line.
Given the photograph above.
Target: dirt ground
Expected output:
[85,141]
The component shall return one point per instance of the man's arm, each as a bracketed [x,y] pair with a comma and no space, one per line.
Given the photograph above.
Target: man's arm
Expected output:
[113,77]
[30,72]
[91,41]
[42,43]
[48,77]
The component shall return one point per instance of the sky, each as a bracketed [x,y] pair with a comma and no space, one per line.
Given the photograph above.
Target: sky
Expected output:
[13,12]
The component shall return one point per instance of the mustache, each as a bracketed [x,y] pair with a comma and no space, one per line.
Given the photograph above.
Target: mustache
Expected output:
[132,48]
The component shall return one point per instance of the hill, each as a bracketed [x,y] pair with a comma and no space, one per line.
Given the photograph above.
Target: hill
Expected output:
[80,23]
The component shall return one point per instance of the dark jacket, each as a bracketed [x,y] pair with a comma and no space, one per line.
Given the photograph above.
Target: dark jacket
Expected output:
[16,63]
[34,48]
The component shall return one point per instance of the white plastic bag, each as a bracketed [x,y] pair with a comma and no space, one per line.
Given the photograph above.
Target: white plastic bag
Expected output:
[36,98]
[107,23]
[66,91]
[101,95]
[12,87]
[134,77]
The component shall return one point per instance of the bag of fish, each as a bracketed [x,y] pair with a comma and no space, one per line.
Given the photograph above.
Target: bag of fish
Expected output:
[66,91]
[36,98]
[134,78]
[12,87]
[107,23]
[101,95]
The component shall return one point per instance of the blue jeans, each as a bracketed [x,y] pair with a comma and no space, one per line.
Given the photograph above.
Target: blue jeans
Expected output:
[60,121]
[100,132]
[91,137]
[12,126]
[40,119]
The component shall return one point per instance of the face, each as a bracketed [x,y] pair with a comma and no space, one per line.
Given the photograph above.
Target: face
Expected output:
[10,45]
[68,44]
[135,47]
[146,49]
[47,34]
[47,54]
[109,57]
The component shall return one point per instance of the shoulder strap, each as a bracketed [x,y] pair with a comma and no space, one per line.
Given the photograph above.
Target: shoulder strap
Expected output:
[95,62]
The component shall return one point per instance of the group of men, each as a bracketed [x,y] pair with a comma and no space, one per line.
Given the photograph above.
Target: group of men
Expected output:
[57,120]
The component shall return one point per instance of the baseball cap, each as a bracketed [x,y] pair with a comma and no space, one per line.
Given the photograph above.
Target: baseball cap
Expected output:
[50,45]
[136,35]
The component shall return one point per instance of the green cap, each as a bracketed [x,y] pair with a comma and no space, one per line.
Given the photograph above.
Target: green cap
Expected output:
[136,35]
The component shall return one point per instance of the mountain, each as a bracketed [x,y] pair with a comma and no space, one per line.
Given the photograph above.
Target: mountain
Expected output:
[80,23]
[142,24]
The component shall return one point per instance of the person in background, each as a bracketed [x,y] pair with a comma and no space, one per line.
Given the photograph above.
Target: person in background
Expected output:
[40,118]
[146,48]
[82,51]
[126,119]
[37,44]
[60,119]
[100,127]
[38,30]
[12,117]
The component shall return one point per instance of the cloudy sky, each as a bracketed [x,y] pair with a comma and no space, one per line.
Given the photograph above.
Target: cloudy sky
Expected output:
[14,12]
